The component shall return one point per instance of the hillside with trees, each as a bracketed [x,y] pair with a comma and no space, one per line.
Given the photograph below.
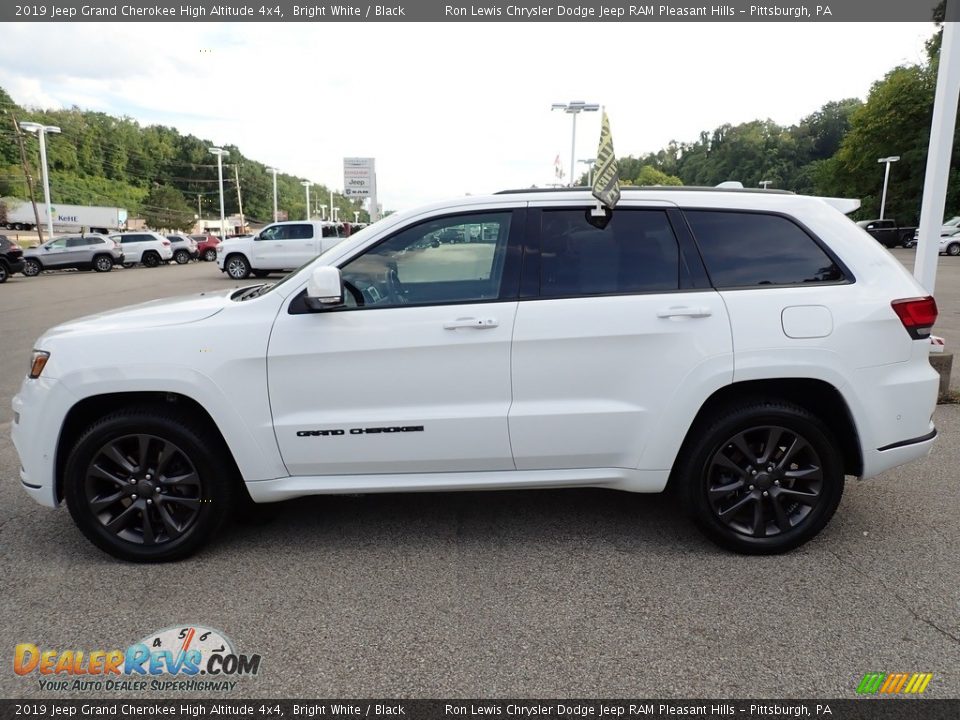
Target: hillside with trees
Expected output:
[153,171]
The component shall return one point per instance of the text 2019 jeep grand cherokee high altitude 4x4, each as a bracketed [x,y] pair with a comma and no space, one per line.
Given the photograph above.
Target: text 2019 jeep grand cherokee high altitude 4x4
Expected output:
[746,349]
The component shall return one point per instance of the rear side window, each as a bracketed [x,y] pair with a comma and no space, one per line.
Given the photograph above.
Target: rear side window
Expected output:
[748,249]
[636,252]
[299,232]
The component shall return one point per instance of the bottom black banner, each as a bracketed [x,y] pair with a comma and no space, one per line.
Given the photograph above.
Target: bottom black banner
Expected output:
[185,709]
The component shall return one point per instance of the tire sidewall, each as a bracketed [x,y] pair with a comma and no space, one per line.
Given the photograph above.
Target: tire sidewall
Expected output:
[241,259]
[717,435]
[215,488]
[36,267]
[182,257]
[105,260]
[210,255]
[151,259]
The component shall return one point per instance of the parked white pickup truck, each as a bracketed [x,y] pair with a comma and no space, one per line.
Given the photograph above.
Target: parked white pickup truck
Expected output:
[280,246]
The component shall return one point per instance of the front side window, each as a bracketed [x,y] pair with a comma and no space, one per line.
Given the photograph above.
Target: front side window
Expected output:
[636,251]
[424,265]
[743,249]
[57,244]
[274,232]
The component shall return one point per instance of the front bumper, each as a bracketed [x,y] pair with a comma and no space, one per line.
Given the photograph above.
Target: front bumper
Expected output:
[38,413]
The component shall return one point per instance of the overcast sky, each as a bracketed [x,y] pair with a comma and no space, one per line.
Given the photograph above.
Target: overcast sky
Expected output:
[447,108]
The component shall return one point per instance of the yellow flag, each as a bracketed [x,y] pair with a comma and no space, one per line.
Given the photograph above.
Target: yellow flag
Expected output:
[606,180]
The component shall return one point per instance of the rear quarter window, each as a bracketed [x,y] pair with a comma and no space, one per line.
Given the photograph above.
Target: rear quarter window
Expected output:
[742,249]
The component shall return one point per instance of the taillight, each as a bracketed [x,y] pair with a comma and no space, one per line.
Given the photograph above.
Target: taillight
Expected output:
[917,315]
[166,243]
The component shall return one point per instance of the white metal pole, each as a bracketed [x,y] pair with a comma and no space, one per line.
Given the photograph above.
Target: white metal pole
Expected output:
[940,149]
[886,179]
[573,149]
[331,204]
[307,188]
[274,171]
[46,180]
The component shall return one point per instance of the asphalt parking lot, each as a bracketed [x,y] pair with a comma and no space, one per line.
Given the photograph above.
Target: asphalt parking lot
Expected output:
[510,594]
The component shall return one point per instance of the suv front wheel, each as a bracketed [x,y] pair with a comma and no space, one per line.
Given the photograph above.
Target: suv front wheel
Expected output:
[237,267]
[761,478]
[144,485]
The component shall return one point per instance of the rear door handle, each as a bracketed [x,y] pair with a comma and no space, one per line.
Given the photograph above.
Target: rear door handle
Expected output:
[471,322]
[684,311]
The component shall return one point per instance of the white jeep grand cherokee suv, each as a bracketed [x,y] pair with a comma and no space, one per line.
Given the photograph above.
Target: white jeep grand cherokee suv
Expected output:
[280,246]
[745,349]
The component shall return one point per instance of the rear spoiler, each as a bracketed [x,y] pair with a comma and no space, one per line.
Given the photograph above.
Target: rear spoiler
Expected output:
[844,205]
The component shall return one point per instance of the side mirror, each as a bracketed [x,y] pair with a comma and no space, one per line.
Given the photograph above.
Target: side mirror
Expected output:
[324,288]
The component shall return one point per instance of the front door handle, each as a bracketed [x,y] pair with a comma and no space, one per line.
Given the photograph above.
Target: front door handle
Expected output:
[471,322]
[684,311]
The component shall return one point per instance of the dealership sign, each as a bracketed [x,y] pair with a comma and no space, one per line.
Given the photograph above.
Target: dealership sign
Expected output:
[358,177]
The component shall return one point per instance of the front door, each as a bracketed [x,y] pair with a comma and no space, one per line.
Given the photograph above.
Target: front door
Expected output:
[412,374]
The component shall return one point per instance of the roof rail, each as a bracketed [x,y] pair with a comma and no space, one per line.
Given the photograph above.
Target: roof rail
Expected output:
[649,188]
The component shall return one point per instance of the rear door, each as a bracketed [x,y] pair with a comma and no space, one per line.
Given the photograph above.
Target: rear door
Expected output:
[616,315]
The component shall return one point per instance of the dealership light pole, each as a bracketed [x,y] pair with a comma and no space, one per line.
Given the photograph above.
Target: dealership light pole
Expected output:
[41,131]
[274,171]
[589,162]
[886,179]
[306,184]
[574,108]
[221,154]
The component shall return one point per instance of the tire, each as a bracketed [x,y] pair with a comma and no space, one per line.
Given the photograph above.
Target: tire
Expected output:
[210,255]
[953,249]
[128,265]
[32,267]
[906,241]
[260,273]
[4,273]
[237,267]
[181,257]
[751,500]
[150,259]
[103,263]
[145,485]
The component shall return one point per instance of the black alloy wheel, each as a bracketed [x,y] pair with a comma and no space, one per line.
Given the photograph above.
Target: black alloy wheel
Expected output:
[145,486]
[150,259]
[761,477]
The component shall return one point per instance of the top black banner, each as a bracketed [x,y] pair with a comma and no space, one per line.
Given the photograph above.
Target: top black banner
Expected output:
[471,11]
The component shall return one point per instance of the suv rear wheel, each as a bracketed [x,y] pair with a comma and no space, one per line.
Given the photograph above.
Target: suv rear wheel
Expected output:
[4,272]
[210,255]
[144,485]
[32,267]
[953,249]
[103,263]
[761,478]
[150,259]
[237,267]
[182,257]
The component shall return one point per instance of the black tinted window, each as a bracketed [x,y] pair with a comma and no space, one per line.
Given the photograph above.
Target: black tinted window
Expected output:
[76,242]
[300,232]
[748,249]
[635,252]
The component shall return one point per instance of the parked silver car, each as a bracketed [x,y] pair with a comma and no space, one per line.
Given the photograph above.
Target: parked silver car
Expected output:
[84,252]
[184,248]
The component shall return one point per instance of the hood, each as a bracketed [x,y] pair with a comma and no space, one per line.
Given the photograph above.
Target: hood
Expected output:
[156,313]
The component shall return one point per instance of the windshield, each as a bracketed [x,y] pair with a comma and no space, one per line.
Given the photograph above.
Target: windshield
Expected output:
[953,222]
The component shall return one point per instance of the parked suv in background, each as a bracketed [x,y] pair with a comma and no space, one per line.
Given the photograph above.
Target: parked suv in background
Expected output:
[11,258]
[184,248]
[207,246]
[746,349]
[84,252]
[149,248]
[279,246]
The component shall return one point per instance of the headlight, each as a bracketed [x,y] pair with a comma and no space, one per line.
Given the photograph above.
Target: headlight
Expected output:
[38,362]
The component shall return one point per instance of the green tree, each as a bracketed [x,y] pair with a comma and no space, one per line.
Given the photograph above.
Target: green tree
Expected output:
[164,208]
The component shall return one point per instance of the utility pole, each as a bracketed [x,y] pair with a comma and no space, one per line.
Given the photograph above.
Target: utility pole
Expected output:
[236,176]
[199,211]
[26,171]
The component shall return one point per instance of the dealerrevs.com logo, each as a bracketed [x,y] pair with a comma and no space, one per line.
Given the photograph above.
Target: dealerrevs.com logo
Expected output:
[184,658]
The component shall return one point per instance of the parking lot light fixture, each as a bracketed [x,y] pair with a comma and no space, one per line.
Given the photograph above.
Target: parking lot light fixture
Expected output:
[306,184]
[221,154]
[574,108]
[886,179]
[41,131]
[765,183]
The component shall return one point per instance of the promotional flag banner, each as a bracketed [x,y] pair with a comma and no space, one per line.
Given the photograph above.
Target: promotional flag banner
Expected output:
[606,180]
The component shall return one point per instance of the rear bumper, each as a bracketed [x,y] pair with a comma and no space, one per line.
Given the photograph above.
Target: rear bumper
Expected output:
[15,265]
